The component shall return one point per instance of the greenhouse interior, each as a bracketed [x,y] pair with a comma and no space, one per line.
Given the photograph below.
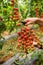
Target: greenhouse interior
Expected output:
[21,32]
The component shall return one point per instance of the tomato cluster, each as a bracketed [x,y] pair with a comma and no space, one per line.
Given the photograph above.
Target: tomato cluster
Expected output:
[41,15]
[36,12]
[26,38]
[16,14]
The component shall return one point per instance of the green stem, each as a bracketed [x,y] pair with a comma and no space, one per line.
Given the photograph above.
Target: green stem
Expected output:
[0,35]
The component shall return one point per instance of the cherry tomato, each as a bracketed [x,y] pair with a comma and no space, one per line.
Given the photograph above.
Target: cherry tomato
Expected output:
[42,28]
[30,38]
[31,42]
[18,33]
[22,36]
[10,13]
[19,38]
[24,42]
[23,29]
[22,32]
[19,44]
[16,13]
[15,9]
[24,46]
[12,4]
[27,32]
[16,16]
[28,44]
[19,41]
[27,41]
[11,17]
[32,31]
[25,37]
[36,9]
[12,1]
[27,29]
[41,15]
[19,24]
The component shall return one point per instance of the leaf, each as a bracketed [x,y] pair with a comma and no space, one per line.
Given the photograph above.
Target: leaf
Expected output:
[1,45]
[1,1]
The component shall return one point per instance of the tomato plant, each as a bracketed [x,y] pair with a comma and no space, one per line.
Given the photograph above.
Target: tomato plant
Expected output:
[13,11]
[9,15]
[36,4]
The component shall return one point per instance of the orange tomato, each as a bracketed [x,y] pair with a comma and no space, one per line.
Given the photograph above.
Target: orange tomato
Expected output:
[27,29]
[30,38]
[42,28]
[10,13]
[24,42]
[19,41]
[41,15]
[19,38]
[11,17]
[16,16]
[28,44]
[36,9]
[19,24]
[24,46]
[19,44]
[32,31]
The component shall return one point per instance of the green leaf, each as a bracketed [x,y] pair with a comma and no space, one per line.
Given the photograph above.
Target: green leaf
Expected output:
[1,1]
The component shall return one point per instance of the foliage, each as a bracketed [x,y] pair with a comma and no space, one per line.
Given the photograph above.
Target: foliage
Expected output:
[39,5]
[7,20]
[26,8]
[39,55]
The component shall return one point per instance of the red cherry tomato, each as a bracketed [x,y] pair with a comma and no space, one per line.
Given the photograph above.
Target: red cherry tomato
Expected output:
[22,29]
[30,38]
[22,36]
[18,33]
[24,42]
[12,1]
[25,37]
[27,41]
[27,29]
[22,32]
